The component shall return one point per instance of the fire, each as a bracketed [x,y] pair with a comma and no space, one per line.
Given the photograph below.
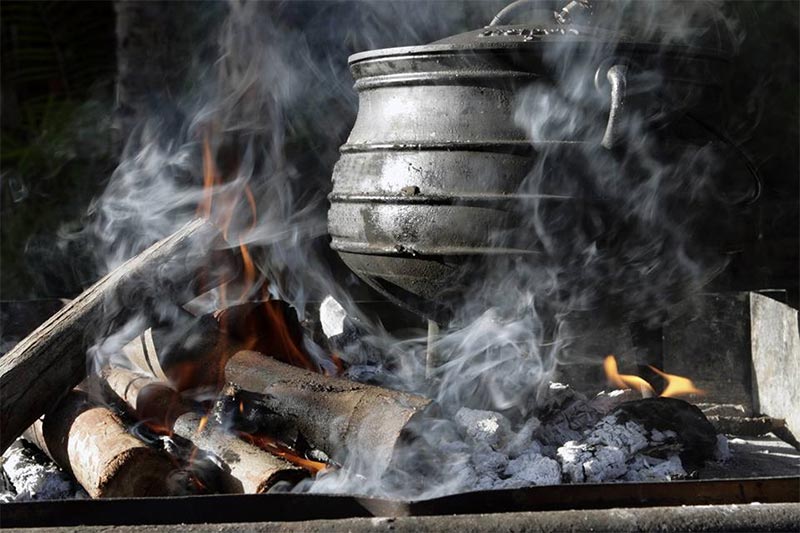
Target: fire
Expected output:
[275,447]
[225,207]
[625,381]
[676,385]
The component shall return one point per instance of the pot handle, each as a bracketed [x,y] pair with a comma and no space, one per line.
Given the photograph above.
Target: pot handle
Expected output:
[617,80]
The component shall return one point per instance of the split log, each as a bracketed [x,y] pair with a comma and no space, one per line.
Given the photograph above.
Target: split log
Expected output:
[46,365]
[335,415]
[251,469]
[246,468]
[148,399]
[91,442]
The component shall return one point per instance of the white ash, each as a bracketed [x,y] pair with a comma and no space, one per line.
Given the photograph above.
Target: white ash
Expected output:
[611,451]
[522,440]
[486,427]
[532,468]
[332,316]
[723,409]
[484,468]
[722,452]
[647,468]
[35,477]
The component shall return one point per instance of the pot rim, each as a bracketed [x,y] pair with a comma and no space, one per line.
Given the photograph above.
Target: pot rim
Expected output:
[620,44]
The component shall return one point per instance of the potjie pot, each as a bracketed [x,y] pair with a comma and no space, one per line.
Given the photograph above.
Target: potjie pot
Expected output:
[432,169]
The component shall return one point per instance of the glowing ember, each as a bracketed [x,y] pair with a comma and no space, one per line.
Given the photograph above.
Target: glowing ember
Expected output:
[676,385]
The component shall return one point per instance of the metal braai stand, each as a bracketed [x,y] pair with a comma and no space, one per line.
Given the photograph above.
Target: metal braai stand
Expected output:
[421,194]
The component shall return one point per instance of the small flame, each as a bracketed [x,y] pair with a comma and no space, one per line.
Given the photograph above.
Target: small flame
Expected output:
[676,385]
[625,381]
[210,179]
[275,447]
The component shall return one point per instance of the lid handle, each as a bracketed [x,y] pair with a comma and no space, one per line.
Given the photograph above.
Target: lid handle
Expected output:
[564,15]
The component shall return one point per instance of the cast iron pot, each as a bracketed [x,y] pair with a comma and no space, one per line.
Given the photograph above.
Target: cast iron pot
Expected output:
[431,171]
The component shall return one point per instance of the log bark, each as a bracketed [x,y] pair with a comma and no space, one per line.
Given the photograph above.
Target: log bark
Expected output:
[93,444]
[151,401]
[335,415]
[246,468]
[251,469]
[46,365]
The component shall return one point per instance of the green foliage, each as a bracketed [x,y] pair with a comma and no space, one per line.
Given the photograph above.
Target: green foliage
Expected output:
[55,145]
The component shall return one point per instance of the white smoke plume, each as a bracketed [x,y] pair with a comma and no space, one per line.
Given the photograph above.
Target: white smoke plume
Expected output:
[274,108]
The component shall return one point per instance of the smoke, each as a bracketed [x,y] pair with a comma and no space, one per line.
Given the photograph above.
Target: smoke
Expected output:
[617,234]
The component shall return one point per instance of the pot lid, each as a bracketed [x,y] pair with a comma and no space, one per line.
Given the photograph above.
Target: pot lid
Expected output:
[697,28]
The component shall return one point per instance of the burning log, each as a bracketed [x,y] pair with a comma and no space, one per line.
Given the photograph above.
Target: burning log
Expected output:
[268,326]
[92,443]
[251,469]
[47,364]
[333,414]
[247,468]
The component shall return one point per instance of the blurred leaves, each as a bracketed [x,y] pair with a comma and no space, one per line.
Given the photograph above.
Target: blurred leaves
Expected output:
[58,63]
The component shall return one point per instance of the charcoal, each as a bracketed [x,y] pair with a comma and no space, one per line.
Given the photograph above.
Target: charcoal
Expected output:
[696,435]
[532,468]
[654,438]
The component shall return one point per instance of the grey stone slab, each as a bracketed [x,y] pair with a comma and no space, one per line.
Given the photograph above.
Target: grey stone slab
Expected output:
[708,340]
[775,348]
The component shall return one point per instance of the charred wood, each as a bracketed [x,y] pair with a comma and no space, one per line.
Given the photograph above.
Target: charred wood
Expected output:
[269,326]
[246,468]
[251,470]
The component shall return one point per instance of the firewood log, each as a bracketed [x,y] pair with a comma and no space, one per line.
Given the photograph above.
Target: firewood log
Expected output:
[251,469]
[247,468]
[335,415]
[46,365]
[92,443]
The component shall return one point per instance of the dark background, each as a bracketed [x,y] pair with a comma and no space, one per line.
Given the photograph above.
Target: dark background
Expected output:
[78,76]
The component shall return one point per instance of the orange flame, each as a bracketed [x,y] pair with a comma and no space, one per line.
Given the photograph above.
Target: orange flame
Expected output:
[676,385]
[273,335]
[202,424]
[210,179]
[625,381]
[275,447]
